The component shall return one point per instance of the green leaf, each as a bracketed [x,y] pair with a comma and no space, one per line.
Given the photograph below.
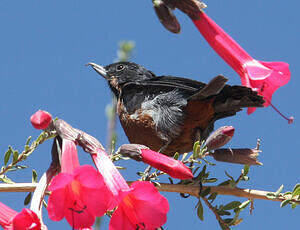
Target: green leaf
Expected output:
[27,199]
[279,191]
[293,205]
[223,213]
[15,156]
[205,192]
[199,207]
[176,156]
[227,174]
[34,176]
[246,170]
[238,221]
[284,203]
[202,173]
[271,195]
[7,155]
[232,205]
[226,182]
[228,220]
[210,180]
[28,140]
[212,196]
[196,149]
[296,190]
[6,180]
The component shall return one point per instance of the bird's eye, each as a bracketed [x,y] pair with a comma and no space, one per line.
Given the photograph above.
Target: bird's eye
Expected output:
[120,67]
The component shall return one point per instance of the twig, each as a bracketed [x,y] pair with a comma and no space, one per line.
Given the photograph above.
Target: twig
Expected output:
[43,137]
[178,188]
[216,213]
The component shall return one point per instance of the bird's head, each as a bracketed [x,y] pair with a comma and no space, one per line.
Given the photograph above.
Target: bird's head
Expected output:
[121,73]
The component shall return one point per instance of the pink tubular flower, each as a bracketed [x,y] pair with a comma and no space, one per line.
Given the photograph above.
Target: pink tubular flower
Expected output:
[41,119]
[262,77]
[78,193]
[174,168]
[12,220]
[143,208]
[139,207]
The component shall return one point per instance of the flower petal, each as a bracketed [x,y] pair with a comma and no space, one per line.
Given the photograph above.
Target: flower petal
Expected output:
[89,177]
[119,221]
[79,218]
[56,204]
[97,200]
[60,181]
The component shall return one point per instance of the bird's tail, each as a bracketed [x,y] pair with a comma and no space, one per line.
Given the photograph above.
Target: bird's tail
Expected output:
[233,98]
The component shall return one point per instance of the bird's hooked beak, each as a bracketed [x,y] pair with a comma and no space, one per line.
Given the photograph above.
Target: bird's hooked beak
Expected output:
[99,69]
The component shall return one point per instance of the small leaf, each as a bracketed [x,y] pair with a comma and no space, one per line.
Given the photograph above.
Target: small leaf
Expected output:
[284,203]
[205,192]
[227,174]
[28,140]
[244,204]
[176,156]
[293,205]
[210,180]
[270,195]
[7,156]
[223,213]
[226,182]
[232,205]
[34,176]
[196,148]
[279,191]
[296,190]
[228,220]
[212,196]
[238,221]
[200,210]
[15,156]
[27,199]
[6,180]
[246,170]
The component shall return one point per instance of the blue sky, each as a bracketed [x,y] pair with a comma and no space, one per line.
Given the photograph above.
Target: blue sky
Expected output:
[44,46]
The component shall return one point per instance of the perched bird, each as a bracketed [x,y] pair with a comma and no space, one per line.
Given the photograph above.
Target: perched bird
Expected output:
[168,114]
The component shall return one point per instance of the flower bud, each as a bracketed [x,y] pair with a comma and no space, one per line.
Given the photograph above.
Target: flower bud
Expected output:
[238,156]
[166,16]
[174,168]
[41,119]
[219,138]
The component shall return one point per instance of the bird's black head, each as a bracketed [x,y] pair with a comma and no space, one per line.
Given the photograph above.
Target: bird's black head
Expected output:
[121,73]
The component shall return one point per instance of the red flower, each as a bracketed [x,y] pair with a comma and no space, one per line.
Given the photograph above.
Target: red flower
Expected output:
[263,77]
[143,208]
[78,193]
[12,220]
[41,119]
[139,207]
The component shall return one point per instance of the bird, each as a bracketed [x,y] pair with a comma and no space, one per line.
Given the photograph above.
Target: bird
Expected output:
[167,113]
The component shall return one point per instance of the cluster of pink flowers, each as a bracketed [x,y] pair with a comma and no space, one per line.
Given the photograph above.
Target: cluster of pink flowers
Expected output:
[80,193]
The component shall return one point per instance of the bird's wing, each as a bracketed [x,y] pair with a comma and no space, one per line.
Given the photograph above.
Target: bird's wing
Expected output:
[170,82]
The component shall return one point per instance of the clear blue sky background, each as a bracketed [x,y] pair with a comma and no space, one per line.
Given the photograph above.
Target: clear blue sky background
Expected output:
[45,44]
